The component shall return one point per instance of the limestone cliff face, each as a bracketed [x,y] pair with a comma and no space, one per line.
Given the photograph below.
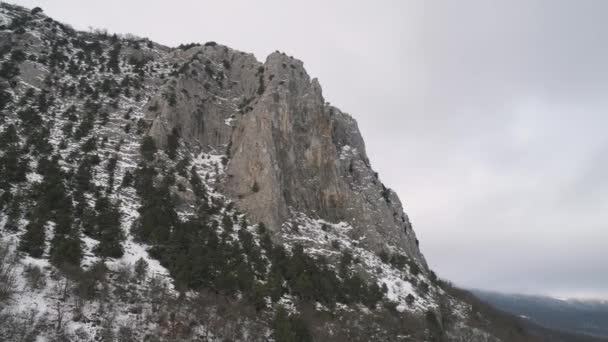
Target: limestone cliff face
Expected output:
[289,152]
[201,98]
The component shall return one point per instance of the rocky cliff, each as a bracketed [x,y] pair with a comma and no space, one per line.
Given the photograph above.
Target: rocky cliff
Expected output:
[299,154]
[197,194]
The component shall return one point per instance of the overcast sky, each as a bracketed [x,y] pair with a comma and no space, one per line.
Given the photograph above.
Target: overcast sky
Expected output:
[488,118]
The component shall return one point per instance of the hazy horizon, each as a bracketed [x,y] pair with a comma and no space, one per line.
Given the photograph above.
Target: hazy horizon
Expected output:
[486,118]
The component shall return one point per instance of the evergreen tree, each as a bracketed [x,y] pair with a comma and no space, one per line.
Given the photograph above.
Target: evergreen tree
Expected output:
[8,70]
[172,143]
[86,125]
[111,168]
[281,326]
[30,118]
[13,167]
[141,269]
[9,136]
[275,286]
[127,179]
[5,97]
[83,176]
[89,145]
[66,246]
[54,204]
[157,213]
[13,214]
[109,230]
[148,148]
[32,242]
[114,60]
[82,183]
[66,250]
[227,223]
[197,185]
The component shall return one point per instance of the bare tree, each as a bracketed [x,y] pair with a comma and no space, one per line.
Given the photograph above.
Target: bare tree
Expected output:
[34,276]
[60,294]
[8,262]
[107,328]
[158,294]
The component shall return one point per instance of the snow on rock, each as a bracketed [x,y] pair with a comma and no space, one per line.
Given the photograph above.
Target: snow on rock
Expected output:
[320,238]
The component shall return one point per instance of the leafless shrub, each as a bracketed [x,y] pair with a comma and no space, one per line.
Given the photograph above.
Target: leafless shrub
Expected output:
[60,293]
[21,327]
[8,262]
[107,329]
[158,294]
[141,269]
[125,334]
[34,276]
[82,334]
[123,274]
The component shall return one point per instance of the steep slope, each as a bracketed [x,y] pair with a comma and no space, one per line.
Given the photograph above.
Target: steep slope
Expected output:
[159,194]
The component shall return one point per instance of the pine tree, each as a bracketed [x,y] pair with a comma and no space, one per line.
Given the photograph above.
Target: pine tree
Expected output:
[55,205]
[227,223]
[114,61]
[281,328]
[197,185]
[141,269]
[9,136]
[157,213]
[14,213]
[32,242]
[66,250]
[66,246]
[127,179]
[172,143]
[275,286]
[13,168]
[83,176]
[9,69]
[5,97]
[109,230]
[89,145]
[148,148]
[86,125]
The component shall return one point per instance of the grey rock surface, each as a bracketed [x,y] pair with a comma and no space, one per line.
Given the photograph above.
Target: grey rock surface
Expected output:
[289,151]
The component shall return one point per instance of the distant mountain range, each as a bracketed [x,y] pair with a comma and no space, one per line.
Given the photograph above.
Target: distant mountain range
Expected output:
[587,317]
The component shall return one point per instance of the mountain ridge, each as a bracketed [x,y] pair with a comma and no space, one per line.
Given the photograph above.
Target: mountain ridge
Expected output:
[588,317]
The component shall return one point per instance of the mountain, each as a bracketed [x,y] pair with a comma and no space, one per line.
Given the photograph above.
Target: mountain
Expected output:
[588,317]
[150,193]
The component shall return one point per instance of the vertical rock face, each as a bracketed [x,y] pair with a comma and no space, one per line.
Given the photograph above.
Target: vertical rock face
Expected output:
[199,100]
[289,152]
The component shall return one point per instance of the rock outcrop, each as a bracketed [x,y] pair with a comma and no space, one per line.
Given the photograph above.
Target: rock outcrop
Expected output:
[289,151]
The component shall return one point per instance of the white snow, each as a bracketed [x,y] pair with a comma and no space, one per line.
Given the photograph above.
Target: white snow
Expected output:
[318,241]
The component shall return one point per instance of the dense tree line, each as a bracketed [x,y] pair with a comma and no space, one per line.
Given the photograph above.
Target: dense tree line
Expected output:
[53,204]
[13,164]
